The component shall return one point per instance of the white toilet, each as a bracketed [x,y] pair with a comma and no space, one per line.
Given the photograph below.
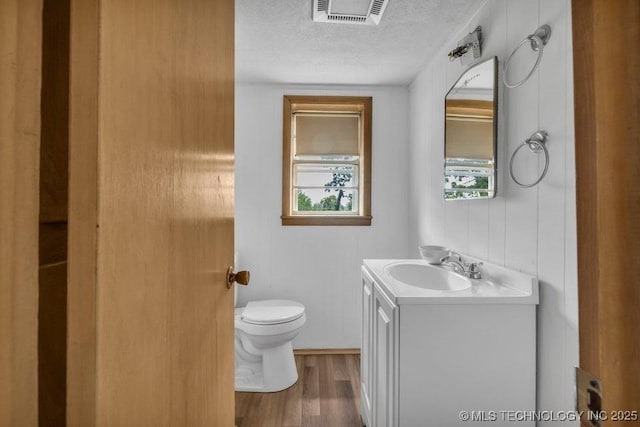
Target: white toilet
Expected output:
[264,331]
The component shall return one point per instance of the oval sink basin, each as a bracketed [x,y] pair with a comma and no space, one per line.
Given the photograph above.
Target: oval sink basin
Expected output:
[427,277]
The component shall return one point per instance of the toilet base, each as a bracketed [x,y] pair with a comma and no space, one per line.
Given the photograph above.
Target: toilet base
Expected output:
[274,371]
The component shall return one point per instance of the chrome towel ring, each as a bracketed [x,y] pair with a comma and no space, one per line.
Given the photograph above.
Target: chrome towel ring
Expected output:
[537,41]
[536,143]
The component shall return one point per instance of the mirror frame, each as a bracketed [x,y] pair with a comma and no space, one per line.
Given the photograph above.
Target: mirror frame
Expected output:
[495,128]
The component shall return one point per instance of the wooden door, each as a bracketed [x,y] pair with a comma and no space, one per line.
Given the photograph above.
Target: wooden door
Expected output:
[151,213]
[607,113]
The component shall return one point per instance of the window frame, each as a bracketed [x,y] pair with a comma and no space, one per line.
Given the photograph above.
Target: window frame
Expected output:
[327,104]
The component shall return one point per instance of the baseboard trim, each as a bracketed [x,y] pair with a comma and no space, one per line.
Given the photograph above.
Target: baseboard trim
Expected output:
[324,351]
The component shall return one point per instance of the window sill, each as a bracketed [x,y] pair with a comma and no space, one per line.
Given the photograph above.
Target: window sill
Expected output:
[331,220]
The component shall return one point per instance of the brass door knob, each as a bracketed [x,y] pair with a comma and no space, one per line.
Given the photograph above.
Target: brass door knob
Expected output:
[241,277]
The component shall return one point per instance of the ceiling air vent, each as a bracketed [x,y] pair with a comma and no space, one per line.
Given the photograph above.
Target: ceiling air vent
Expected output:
[321,6]
[364,12]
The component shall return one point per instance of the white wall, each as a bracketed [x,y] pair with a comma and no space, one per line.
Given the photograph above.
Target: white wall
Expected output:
[532,230]
[318,266]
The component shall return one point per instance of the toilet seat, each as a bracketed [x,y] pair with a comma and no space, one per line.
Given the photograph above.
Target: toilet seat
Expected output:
[272,312]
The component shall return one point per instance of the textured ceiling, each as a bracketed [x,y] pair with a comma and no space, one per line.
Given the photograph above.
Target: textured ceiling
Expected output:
[277,42]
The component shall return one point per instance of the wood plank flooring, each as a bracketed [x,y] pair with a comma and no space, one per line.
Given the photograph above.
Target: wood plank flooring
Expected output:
[327,394]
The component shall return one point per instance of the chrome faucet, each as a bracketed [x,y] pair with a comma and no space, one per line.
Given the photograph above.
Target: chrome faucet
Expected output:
[457,265]
[455,261]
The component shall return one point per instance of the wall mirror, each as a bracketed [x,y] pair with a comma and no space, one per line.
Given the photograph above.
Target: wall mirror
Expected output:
[470,144]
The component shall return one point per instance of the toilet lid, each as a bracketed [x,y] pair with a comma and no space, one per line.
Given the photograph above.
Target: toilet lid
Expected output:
[273,311]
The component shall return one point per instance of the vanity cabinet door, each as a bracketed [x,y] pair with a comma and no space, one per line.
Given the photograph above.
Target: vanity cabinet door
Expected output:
[385,337]
[366,358]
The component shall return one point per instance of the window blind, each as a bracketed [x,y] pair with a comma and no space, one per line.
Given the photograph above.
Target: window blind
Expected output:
[318,134]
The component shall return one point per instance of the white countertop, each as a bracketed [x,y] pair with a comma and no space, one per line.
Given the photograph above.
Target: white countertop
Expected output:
[497,286]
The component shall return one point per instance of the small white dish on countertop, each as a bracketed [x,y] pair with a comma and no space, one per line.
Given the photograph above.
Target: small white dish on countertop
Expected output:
[433,254]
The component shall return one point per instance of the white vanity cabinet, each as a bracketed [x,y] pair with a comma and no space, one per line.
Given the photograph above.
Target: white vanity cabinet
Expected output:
[378,363]
[385,360]
[366,362]
[425,359]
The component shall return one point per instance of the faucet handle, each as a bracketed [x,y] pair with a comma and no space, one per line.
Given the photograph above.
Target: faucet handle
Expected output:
[458,257]
[474,270]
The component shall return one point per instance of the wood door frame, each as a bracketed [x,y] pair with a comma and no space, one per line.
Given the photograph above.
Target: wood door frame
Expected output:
[607,125]
[20,84]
